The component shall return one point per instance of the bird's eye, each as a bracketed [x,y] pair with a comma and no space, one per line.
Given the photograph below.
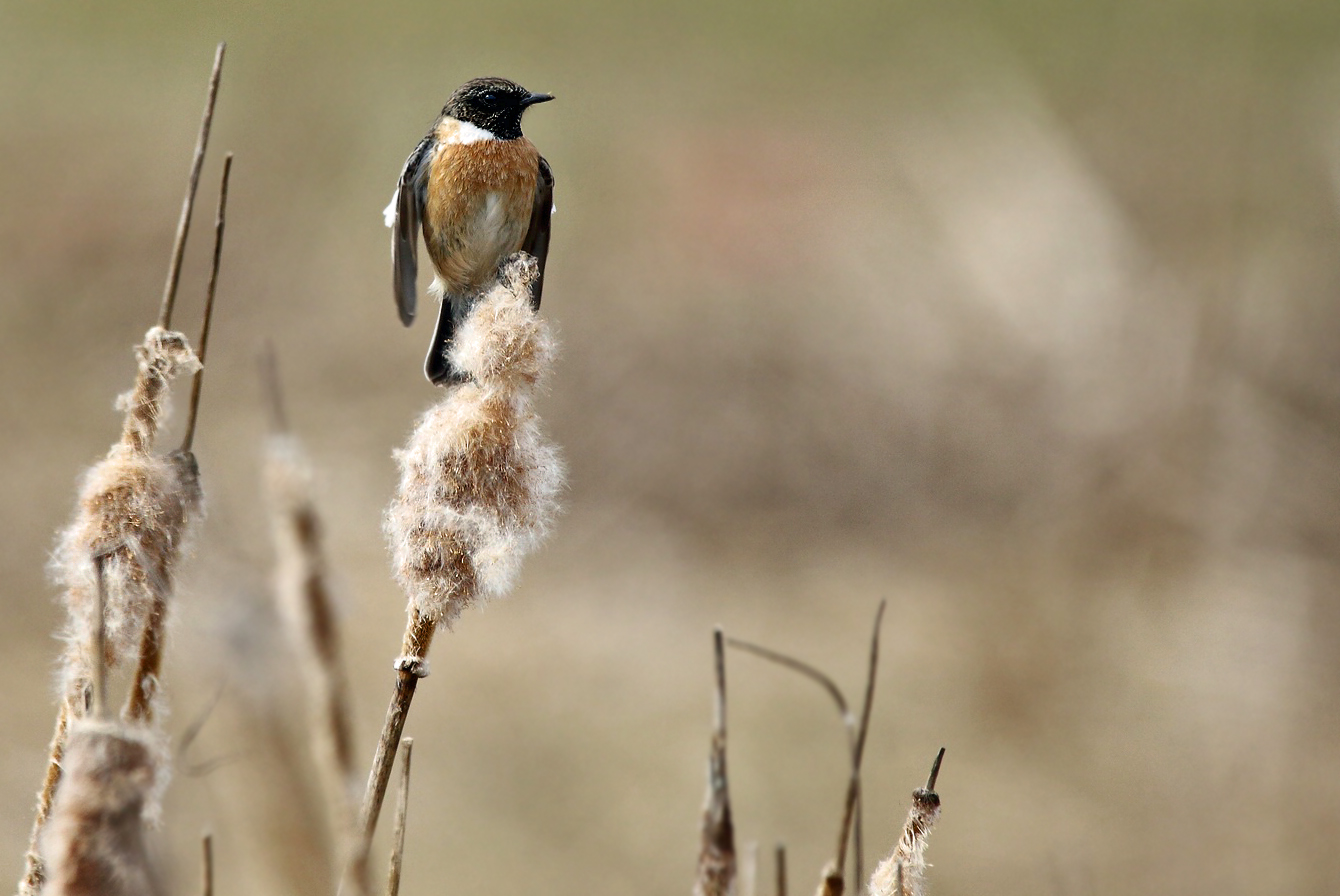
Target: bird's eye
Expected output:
[491,98]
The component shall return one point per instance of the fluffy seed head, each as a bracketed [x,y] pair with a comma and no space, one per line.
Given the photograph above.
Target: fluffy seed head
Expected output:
[164,354]
[94,843]
[478,480]
[134,510]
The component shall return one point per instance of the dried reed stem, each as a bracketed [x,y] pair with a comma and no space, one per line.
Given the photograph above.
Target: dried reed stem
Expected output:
[308,610]
[401,810]
[198,381]
[858,750]
[716,857]
[410,666]
[903,873]
[781,869]
[184,222]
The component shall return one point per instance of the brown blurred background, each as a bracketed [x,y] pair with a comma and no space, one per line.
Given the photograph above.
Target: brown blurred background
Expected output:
[1021,316]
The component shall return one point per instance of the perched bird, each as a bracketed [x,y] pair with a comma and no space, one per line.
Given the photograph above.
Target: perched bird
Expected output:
[479,191]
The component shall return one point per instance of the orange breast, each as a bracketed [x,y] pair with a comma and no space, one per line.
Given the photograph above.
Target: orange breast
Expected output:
[478,206]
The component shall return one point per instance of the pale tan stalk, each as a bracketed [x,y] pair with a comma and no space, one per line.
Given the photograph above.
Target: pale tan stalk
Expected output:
[401,811]
[198,381]
[184,222]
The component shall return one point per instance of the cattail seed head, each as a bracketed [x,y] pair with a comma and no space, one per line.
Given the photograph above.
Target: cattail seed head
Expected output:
[478,480]
[903,873]
[164,354]
[94,843]
[133,510]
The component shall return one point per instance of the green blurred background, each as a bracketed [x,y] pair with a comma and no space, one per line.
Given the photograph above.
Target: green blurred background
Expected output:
[1022,316]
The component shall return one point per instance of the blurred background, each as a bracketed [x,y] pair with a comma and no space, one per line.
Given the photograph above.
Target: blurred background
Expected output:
[1021,316]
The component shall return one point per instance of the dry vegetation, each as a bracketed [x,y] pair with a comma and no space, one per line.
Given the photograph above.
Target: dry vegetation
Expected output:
[1036,343]
[478,491]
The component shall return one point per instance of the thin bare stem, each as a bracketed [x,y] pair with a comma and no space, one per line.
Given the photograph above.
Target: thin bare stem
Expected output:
[410,667]
[198,381]
[401,808]
[184,223]
[935,770]
[207,865]
[854,785]
[781,869]
[100,640]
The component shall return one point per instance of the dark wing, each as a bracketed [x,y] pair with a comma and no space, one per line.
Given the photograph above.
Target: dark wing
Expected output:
[536,243]
[408,202]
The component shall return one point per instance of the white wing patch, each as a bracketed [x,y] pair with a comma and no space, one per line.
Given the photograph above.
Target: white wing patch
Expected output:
[388,213]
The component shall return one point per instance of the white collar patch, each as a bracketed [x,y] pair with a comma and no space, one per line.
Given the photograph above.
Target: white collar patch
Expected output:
[465,133]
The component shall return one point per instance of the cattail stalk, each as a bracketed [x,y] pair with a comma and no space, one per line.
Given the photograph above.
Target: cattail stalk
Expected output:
[903,873]
[478,487]
[133,510]
[716,857]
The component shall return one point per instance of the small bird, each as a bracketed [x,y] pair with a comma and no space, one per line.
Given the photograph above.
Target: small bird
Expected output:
[480,191]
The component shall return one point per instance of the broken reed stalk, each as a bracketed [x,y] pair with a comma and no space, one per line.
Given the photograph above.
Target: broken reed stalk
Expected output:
[478,487]
[848,723]
[851,819]
[401,811]
[184,222]
[903,873]
[198,381]
[308,611]
[716,856]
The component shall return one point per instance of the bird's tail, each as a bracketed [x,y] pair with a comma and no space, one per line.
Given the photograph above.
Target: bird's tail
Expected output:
[437,367]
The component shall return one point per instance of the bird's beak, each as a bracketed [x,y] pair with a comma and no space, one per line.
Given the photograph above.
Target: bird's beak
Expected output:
[536,98]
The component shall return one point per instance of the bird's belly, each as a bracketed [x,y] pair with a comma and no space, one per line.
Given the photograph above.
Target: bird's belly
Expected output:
[475,219]
[471,248]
